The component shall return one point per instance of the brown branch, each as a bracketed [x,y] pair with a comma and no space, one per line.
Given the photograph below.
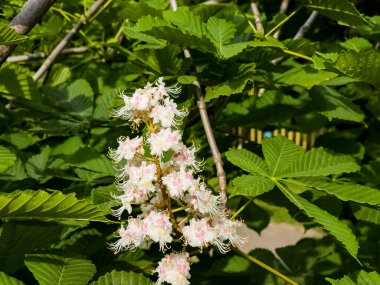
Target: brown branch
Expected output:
[59,48]
[25,20]
[42,55]
[306,26]
[256,16]
[207,127]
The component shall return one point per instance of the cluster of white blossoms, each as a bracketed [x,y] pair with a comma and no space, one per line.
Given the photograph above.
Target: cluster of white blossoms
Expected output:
[175,206]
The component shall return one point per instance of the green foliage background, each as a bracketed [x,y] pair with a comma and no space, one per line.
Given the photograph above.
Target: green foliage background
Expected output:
[56,180]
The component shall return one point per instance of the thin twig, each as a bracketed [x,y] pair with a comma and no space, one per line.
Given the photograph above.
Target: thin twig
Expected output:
[301,32]
[207,127]
[306,26]
[59,48]
[30,14]
[283,8]
[283,21]
[256,16]
[266,267]
[42,55]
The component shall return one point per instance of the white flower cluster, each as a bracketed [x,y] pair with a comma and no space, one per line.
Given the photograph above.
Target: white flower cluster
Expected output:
[157,186]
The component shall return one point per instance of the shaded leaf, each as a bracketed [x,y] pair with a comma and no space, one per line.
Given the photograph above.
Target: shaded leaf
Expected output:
[7,158]
[334,105]
[17,239]
[342,11]
[8,280]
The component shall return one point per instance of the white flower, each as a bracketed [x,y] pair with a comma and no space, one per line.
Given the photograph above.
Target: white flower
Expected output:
[226,230]
[164,140]
[141,177]
[159,228]
[127,148]
[130,237]
[185,157]
[199,233]
[204,201]
[166,114]
[178,182]
[174,269]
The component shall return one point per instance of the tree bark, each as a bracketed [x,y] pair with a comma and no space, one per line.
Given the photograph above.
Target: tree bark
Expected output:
[29,16]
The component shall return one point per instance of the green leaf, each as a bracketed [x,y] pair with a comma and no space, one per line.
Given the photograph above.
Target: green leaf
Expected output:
[320,162]
[88,158]
[9,36]
[17,239]
[343,191]
[17,80]
[279,153]
[361,278]
[25,205]
[233,86]
[357,44]
[337,228]
[51,269]
[7,158]
[186,21]
[363,65]
[36,165]
[8,280]
[102,197]
[75,98]
[334,105]
[342,11]
[122,278]
[248,161]
[251,185]
[305,76]
[368,214]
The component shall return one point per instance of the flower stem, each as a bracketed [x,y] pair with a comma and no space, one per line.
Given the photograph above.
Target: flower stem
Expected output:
[241,209]
[266,267]
[283,21]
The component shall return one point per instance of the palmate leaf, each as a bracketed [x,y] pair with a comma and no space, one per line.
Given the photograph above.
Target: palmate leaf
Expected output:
[248,161]
[320,162]
[251,185]
[17,239]
[342,11]
[9,36]
[8,280]
[279,152]
[51,269]
[360,278]
[7,158]
[25,205]
[336,228]
[122,278]
[343,191]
